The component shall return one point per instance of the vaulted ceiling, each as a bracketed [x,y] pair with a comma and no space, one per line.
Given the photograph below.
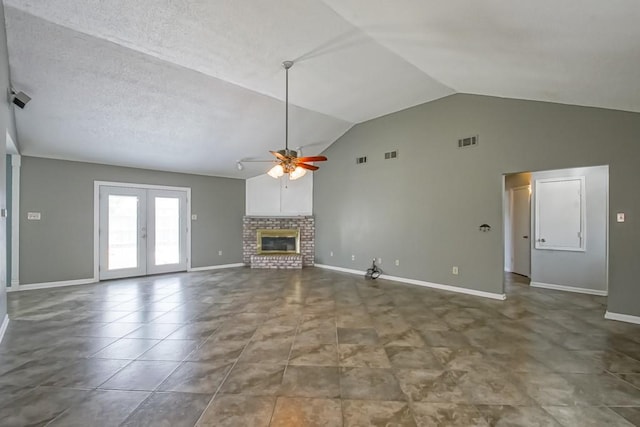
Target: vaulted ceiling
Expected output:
[194,86]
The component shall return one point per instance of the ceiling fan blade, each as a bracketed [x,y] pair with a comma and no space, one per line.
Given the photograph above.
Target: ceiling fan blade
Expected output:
[278,155]
[306,166]
[311,159]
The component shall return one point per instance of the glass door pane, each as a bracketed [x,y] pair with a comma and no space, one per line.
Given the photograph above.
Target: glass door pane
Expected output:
[167,225]
[122,232]
[167,230]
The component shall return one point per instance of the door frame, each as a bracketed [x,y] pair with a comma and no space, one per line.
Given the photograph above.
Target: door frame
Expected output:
[512,239]
[96,216]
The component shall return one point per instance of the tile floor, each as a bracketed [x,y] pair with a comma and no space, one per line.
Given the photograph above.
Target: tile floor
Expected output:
[313,348]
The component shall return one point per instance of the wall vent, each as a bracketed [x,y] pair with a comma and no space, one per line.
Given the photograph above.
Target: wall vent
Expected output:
[360,160]
[391,155]
[470,141]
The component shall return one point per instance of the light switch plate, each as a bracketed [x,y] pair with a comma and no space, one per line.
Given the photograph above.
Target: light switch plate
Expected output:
[620,217]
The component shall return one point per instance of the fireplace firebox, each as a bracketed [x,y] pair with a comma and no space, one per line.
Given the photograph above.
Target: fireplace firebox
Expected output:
[278,241]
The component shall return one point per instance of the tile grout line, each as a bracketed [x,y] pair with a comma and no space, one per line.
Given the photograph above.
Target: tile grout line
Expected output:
[273,411]
[339,367]
[171,373]
[215,394]
[614,375]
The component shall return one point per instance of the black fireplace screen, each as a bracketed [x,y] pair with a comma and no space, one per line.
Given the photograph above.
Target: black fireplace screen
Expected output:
[278,244]
[279,241]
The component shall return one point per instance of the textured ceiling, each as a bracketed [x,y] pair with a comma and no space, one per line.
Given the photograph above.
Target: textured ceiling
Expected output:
[195,86]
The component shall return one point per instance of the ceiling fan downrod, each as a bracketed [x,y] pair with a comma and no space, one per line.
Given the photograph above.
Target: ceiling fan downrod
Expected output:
[286,65]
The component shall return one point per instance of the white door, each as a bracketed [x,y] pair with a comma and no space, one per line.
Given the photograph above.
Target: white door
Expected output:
[167,231]
[520,230]
[560,210]
[141,231]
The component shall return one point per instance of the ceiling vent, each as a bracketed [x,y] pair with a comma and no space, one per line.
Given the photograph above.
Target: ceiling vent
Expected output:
[391,155]
[470,141]
[361,160]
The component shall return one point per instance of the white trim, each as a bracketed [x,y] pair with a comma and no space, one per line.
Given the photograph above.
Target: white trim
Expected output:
[568,288]
[145,186]
[449,288]
[216,267]
[59,284]
[96,217]
[11,146]
[5,325]
[96,229]
[16,162]
[622,317]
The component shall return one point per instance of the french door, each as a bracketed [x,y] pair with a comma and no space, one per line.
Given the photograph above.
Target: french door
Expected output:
[141,231]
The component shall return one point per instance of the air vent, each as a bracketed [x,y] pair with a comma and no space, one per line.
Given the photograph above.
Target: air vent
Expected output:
[391,155]
[470,141]
[360,160]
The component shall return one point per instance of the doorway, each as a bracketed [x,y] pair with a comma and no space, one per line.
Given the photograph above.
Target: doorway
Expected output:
[517,224]
[142,230]
[520,230]
[557,234]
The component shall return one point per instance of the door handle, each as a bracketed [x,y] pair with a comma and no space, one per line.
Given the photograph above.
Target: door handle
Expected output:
[541,240]
[525,237]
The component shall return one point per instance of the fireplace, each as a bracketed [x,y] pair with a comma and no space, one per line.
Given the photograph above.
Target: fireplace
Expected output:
[285,241]
[298,229]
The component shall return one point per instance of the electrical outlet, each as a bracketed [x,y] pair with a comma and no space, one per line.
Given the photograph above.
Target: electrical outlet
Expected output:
[454,270]
[331,253]
[219,253]
[397,262]
[353,257]
[379,261]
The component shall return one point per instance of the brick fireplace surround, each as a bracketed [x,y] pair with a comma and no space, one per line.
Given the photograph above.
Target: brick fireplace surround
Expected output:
[251,224]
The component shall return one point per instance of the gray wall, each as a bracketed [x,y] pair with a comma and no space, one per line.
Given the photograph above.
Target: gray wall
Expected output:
[424,208]
[7,123]
[586,269]
[60,246]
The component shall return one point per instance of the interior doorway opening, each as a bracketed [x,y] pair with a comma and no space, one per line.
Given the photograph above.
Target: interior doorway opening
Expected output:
[556,229]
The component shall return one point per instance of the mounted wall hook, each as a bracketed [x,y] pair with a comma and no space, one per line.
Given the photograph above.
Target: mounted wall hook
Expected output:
[485,227]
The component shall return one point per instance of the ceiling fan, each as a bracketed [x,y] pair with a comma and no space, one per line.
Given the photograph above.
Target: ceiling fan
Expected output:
[287,161]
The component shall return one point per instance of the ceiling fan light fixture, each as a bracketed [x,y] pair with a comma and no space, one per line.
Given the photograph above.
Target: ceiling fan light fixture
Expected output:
[276,172]
[288,160]
[298,172]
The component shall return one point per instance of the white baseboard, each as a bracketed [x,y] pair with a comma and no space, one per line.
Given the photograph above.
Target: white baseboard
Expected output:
[46,285]
[622,317]
[341,269]
[217,267]
[568,289]
[5,325]
[432,285]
